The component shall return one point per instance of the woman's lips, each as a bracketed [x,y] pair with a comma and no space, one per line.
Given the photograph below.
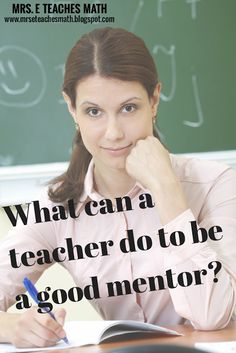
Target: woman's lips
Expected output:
[117,150]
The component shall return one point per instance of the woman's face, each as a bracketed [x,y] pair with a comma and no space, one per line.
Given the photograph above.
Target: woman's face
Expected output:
[112,116]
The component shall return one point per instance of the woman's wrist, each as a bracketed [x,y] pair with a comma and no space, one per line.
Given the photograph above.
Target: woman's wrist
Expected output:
[170,200]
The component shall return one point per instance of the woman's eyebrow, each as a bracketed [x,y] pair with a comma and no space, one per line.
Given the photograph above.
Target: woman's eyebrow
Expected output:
[129,99]
[91,103]
[97,105]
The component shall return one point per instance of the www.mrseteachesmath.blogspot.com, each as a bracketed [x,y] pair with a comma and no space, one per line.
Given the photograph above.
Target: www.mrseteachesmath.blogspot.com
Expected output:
[59,8]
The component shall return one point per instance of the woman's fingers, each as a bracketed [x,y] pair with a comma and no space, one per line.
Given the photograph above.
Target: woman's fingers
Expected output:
[60,315]
[33,329]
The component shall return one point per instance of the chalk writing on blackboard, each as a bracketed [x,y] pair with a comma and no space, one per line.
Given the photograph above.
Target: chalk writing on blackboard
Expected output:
[11,67]
[171,53]
[136,15]
[17,89]
[193,8]
[190,2]
[200,120]
[159,8]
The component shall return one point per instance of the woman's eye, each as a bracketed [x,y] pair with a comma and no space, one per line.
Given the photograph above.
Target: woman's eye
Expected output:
[129,108]
[94,112]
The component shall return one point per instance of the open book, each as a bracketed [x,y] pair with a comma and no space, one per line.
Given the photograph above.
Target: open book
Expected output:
[95,332]
[81,333]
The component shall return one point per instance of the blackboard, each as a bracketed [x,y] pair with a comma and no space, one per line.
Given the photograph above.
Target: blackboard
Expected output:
[192,41]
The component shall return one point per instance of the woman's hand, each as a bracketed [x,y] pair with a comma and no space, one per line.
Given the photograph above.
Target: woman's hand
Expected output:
[149,163]
[32,329]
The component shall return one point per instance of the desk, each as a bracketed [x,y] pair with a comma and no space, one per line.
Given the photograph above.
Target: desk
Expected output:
[190,337]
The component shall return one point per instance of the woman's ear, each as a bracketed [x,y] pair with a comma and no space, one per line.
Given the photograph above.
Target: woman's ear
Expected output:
[156,98]
[69,105]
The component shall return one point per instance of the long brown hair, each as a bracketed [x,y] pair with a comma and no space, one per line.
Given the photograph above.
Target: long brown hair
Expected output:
[109,52]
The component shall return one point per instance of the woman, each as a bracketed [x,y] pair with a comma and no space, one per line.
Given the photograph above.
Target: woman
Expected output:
[112,92]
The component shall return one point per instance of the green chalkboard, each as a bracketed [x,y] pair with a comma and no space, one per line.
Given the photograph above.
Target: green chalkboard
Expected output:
[192,41]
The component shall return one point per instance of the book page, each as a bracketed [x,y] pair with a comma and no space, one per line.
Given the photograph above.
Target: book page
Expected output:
[123,327]
[9,348]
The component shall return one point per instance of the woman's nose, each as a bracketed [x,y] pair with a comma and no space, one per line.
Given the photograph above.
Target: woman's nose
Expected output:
[114,130]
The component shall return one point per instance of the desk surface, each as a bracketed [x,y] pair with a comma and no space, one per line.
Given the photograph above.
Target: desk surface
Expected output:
[190,337]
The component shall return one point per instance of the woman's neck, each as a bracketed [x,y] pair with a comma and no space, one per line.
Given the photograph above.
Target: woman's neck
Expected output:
[112,183]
